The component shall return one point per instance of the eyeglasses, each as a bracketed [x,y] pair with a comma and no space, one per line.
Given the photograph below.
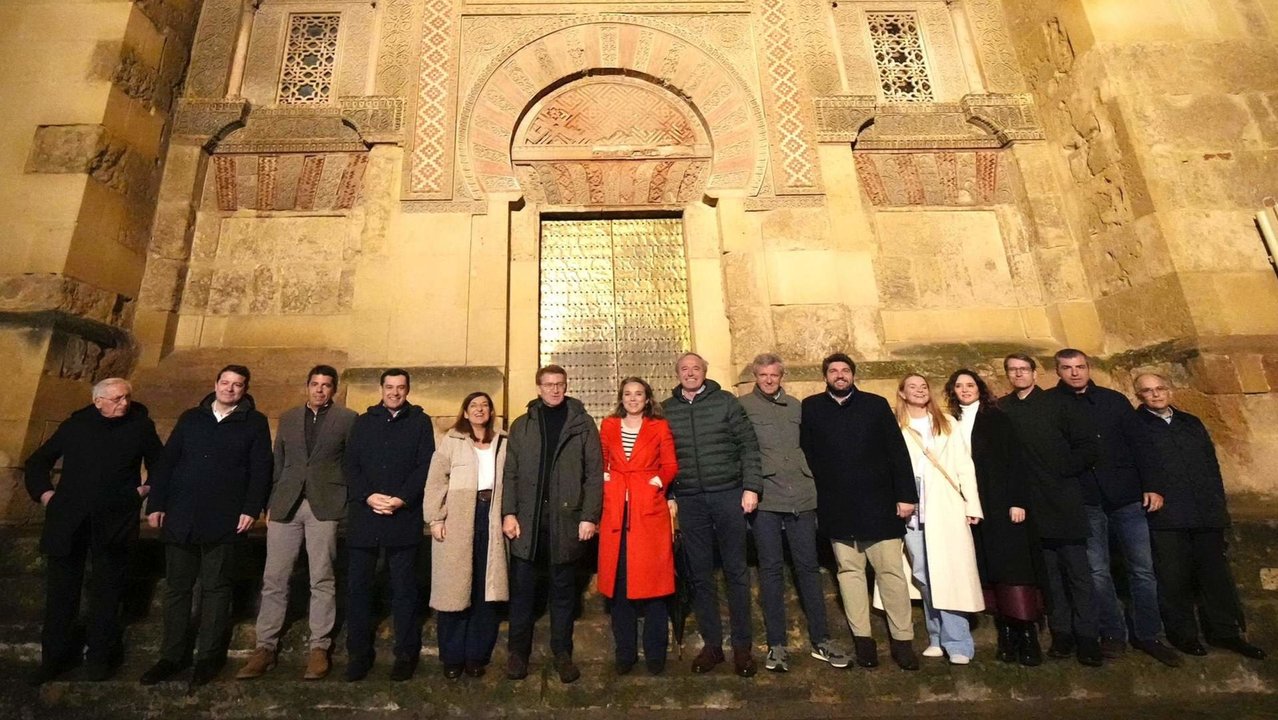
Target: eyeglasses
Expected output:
[1156,390]
[1020,371]
[554,386]
[114,400]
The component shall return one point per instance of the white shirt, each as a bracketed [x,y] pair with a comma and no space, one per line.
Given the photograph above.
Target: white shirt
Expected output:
[486,467]
[222,416]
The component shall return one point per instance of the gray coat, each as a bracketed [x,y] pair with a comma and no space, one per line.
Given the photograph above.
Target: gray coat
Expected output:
[575,486]
[787,480]
[319,473]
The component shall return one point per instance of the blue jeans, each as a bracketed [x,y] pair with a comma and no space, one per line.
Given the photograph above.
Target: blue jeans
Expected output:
[771,530]
[945,628]
[1128,524]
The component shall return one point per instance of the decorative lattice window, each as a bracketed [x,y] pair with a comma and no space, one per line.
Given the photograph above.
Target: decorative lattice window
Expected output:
[898,51]
[306,76]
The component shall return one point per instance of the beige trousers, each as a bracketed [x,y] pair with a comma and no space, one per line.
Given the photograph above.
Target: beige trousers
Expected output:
[284,541]
[889,573]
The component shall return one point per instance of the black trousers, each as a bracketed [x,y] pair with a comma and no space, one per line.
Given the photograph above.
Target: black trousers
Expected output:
[625,617]
[713,521]
[359,612]
[212,564]
[1069,586]
[64,578]
[525,577]
[1193,573]
[469,635]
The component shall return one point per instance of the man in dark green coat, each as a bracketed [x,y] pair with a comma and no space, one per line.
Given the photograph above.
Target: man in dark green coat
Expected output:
[552,498]
[719,482]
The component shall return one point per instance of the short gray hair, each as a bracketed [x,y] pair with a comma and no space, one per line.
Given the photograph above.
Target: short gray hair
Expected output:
[763,360]
[704,365]
[100,387]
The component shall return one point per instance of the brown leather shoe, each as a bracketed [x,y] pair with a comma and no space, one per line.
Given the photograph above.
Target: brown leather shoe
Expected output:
[259,663]
[707,659]
[317,664]
[743,661]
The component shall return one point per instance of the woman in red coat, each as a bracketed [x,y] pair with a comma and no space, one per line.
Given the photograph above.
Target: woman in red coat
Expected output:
[636,553]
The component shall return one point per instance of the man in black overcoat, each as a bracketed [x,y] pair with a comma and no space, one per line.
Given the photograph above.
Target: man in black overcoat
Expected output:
[92,512]
[865,493]
[1058,445]
[210,490]
[387,458]
[1188,533]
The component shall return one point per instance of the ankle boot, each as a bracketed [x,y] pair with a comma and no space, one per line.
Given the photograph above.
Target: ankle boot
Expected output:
[1028,652]
[1006,640]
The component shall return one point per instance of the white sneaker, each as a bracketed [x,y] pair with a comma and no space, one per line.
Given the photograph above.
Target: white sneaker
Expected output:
[960,659]
[933,651]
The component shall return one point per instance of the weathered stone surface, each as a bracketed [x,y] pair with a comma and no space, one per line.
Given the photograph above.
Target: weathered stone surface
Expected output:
[811,331]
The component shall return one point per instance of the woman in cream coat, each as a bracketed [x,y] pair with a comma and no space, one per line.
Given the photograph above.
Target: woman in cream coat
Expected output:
[937,538]
[468,552]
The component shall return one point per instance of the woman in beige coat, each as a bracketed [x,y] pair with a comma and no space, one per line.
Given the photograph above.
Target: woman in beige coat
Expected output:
[462,507]
[937,538]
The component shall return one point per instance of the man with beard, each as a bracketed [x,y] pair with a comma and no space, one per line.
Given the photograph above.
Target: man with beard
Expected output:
[865,493]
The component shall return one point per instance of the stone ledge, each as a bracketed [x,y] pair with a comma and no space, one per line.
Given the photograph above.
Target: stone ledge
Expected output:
[975,122]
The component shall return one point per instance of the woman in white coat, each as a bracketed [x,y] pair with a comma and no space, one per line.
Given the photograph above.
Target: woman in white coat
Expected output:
[462,507]
[937,539]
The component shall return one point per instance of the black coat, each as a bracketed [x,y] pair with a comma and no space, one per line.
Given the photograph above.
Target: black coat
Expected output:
[101,471]
[1180,459]
[714,443]
[1114,480]
[213,472]
[1058,445]
[1006,552]
[390,456]
[574,490]
[860,464]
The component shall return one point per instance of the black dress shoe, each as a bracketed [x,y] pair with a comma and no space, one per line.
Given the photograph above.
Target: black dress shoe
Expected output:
[1240,646]
[567,669]
[1190,647]
[516,667]
[655,666]
[624,667]
[1159,652]
[1062,645]
[205,671]
[452,672]
[162,670]
[358,668]
[404,668]
[867,652]
[474,669]
[903,654]
[1088,652]
[1113,648]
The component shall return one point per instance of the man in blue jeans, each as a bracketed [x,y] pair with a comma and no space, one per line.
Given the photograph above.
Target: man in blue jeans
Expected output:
[1116,504]
[787,511]
[717,485]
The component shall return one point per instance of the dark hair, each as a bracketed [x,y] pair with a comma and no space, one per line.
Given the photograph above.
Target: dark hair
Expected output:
[551,370]
[325,370]
[1023,358]
[650,409]
[238,370]
[983,394]
[396,372]
[837,357]
[463,424]
[1068,354]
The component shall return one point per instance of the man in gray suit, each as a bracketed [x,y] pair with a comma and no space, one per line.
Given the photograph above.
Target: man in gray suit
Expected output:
[308,498]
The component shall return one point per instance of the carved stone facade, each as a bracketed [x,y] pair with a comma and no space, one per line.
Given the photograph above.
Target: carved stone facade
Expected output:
[914,181]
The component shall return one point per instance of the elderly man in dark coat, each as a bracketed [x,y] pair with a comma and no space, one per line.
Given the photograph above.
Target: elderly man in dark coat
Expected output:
[210,490]
[1188,533]
[865,493]
[1058,445]
[93,511]
[387,459]
[552,499]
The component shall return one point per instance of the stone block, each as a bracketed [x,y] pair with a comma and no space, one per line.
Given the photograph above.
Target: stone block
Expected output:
[795,229]
[807,333]
[309,289]
[896,282]
[65,148]
[952,325]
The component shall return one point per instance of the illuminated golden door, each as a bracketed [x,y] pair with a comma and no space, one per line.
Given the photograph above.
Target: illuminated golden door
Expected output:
[614,303]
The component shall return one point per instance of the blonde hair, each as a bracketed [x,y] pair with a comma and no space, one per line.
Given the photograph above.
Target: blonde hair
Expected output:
[940,421]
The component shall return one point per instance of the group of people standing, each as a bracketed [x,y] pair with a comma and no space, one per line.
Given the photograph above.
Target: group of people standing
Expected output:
[968,502]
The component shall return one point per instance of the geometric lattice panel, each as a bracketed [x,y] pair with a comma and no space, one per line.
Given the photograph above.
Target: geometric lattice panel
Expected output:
[310,56]
[610,114]
[898,52]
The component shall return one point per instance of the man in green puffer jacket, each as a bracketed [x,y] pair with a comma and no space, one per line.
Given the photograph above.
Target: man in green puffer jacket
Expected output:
[719,482]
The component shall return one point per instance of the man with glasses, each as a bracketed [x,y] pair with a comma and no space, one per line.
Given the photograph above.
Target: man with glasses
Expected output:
[1188,533]
[91,512]
[1058,445]
[552,498]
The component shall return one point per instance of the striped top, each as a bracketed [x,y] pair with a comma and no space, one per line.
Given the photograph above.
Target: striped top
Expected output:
[628,438]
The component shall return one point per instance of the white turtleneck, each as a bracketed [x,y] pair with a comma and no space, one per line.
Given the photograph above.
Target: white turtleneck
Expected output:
[968,421]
